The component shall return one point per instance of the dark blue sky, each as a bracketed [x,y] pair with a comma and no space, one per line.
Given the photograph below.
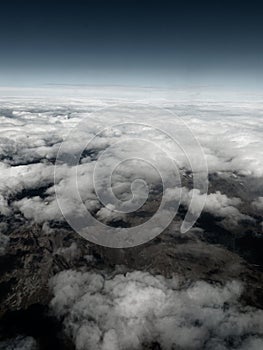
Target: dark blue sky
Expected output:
[131,42]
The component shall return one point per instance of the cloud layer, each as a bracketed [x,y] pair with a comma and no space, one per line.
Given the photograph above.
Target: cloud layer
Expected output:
[32,131]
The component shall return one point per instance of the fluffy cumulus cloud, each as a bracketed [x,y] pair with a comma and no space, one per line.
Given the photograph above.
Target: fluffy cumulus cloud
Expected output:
[217,204]
[137,310]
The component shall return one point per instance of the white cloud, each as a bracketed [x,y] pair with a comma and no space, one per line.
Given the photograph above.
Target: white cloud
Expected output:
[39,210]
[217,204]
[70,253]
[125,312]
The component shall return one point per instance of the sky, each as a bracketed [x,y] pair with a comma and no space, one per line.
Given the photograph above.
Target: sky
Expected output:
[149,43]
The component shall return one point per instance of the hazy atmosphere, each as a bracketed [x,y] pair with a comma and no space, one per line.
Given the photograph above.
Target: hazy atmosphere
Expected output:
[163,43]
